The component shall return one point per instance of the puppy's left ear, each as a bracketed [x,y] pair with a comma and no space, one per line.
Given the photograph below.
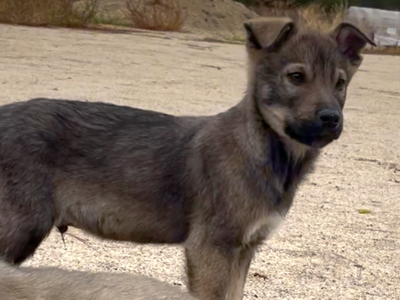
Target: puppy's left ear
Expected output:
[351,41]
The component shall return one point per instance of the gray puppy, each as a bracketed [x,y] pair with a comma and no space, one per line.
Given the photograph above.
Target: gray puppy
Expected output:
[219,184]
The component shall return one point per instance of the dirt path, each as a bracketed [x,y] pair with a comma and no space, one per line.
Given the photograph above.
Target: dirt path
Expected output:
[325,250]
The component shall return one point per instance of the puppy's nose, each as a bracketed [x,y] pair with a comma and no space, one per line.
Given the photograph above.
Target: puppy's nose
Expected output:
[329,117]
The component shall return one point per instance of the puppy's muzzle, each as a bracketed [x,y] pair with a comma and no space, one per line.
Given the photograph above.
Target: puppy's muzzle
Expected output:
[331,122]
[318,132]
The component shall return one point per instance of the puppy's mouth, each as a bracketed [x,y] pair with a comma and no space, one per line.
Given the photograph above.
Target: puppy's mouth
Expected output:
[313,134]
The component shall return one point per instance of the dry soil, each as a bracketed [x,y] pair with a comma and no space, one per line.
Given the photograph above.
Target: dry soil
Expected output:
[213,18]
[325,250]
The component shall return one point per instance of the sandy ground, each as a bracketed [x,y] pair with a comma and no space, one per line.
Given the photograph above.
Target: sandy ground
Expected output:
[325,250]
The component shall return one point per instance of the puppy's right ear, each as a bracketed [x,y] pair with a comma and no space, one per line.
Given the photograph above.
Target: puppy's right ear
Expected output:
[268,33]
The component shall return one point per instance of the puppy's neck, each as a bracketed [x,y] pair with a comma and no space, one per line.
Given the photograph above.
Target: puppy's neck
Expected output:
[259,129]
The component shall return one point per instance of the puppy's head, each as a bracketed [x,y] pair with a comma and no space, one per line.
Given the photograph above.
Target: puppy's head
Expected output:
[299,78]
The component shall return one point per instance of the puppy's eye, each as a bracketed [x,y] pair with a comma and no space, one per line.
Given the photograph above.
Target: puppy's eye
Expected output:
[296,78]
[340,84]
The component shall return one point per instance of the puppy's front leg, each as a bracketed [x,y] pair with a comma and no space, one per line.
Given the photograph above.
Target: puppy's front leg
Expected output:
[216,273]
[208,269]
[239,271]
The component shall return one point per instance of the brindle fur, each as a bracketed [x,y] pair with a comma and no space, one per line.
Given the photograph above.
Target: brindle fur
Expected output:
[216,184]
[57,284]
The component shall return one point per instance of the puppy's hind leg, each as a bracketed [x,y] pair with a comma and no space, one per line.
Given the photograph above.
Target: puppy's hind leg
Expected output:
[26,214]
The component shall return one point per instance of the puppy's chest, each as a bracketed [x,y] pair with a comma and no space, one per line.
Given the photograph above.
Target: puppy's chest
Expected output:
[274,197]
[262,228]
